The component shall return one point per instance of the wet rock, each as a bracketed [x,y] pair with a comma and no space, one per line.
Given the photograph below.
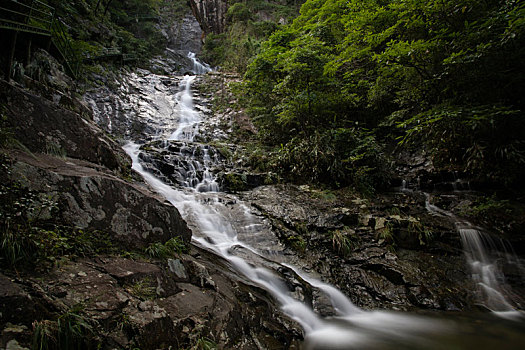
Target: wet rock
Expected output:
[92,200]
[185,34]
[121,297]
[388,261]
[201,276]
[177,267]
[13,345]
[17,305]
[60,132]
[113,108]
[150,324]
[286,202]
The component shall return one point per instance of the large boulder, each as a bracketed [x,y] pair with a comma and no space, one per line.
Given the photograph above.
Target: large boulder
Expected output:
[89,199]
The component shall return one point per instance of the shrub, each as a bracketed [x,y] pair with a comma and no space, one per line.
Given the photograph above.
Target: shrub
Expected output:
[173,246]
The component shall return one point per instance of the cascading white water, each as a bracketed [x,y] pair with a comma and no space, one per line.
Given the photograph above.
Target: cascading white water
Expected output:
[188,116]
[479,249]
[215,229]
[485,271]
[198,67]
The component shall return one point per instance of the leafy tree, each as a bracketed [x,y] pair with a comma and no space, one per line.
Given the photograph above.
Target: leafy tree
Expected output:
[449,73]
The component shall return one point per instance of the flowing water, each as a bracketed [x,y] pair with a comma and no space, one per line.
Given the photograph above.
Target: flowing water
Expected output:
[484,255]
[226,226]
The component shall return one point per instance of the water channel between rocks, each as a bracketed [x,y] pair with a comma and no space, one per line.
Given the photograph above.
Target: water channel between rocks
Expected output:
[225,225]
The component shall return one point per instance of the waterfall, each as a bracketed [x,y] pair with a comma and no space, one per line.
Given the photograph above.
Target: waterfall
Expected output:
[188,116]
[482,255]
[486,273]
[198,67]
[157,114]
[225,229]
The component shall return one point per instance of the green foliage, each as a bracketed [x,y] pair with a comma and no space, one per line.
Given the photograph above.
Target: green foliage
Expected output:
[338,156]
[69,332]
[423,234]
[386,234]
[233,49]
[238,12]
[204,344]
[487,141]
[342,241]
[486,207]
[235,182]
[297,242]
[93,25]
[450,73]
[169,249]
[53,148]
[145,289]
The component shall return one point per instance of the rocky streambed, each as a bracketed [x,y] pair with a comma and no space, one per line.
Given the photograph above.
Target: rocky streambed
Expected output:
[389,252]
[117,294]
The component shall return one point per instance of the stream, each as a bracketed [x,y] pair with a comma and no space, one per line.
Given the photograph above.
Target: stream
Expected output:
[226,226]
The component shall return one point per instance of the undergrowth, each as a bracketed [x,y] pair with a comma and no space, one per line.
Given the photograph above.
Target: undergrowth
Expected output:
[30,237]
[169,249]
[70,331]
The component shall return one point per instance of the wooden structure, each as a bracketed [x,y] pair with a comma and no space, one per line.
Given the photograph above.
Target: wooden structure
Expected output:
[34,22]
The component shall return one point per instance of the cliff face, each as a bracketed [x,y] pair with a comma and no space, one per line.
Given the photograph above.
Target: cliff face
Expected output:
[211,14]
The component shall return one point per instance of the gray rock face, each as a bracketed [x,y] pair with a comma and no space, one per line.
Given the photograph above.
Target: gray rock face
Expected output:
[379,260]
[45,127]
[211,14]
[186,35]
[92,200]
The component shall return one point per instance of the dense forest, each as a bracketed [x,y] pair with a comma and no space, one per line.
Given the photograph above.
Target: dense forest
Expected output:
[334,91]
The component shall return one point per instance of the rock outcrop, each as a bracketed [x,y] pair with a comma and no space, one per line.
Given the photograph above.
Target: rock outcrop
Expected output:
[92,200]
[138,303]
[185,34]
[211,14]
[376,252]
[128,299]
[51,127]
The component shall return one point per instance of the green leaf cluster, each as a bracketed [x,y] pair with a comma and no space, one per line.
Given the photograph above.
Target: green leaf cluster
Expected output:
[249,23]
[449,73]
[71,330]
[172,247]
